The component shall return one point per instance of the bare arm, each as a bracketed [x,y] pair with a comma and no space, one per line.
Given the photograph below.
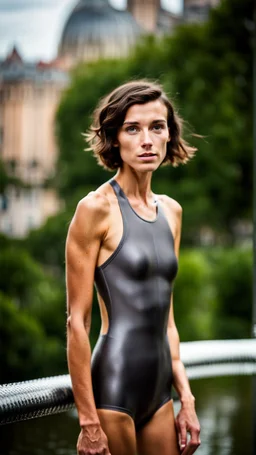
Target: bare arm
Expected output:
[180,380]
[186,419]
[86,232]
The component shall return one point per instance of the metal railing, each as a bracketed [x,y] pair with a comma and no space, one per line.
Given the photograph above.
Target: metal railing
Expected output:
[46,396]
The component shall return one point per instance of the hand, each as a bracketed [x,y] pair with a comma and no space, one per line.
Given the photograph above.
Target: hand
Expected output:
[187,421]
[92,441]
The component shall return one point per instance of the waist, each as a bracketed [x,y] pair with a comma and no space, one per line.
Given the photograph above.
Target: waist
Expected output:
[150,338]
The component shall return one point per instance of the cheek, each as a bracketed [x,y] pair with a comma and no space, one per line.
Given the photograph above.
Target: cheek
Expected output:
[167,136]
[127,143]
[164,139]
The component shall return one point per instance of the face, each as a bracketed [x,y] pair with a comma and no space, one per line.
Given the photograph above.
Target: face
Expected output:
[143,137]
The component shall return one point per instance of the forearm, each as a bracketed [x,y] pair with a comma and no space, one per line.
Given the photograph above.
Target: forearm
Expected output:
[79,364]
[181,383]
[180,379]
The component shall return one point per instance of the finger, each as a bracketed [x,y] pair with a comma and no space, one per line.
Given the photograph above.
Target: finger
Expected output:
[191,447]
[182,437]
[195,437]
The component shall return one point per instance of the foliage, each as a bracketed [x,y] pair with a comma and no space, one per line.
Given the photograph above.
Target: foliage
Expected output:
[7,179]
[207,70]
[25,350]
[33,290]
[47,244]
[195,304]
[213,293]
[233,283]
[212,299]
[76,167]
[213,77]
[3,178]
[32,317]
[9,242]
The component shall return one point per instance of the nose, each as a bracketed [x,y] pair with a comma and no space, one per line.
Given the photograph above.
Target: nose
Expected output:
[146,138]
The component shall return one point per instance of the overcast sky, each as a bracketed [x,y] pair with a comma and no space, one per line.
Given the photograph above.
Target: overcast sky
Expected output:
[35,25]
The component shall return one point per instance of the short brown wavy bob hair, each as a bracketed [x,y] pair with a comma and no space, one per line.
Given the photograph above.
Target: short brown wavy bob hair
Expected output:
[110,114]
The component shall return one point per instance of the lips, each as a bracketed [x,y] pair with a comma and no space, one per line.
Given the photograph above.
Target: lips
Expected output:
[147,155]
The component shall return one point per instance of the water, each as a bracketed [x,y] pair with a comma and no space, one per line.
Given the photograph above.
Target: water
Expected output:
[224,407]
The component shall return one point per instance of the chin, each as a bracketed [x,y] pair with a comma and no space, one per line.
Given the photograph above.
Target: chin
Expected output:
[148,167]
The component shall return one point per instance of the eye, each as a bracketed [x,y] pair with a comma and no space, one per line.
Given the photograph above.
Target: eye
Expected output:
[131,129]
[158,127]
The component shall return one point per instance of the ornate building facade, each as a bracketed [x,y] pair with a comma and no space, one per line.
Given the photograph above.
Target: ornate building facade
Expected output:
[30,94]
[96,30]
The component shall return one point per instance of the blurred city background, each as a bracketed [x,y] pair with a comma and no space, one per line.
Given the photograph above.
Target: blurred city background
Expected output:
[57,59]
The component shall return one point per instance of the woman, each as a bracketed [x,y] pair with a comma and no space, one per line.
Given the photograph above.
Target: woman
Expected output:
[126,240]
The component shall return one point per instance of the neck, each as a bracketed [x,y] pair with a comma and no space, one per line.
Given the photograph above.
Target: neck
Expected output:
[135,185]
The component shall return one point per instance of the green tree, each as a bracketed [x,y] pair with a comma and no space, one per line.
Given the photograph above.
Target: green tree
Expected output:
[207,71]
[195,299]
[47,243]
[33,289]
[232,278]
[77,169]
[25,350]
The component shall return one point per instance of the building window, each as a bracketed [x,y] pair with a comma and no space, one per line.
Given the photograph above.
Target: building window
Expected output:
[3,202]
[197,12]
[33,164]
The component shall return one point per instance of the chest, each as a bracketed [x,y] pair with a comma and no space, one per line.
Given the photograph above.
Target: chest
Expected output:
[148,251]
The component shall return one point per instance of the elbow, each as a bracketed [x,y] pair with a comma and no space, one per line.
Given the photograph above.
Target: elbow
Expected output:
[74,323]
[78,323]
[68,323]
[69,328]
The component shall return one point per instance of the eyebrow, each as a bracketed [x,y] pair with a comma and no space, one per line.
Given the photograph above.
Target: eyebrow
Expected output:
[137,123]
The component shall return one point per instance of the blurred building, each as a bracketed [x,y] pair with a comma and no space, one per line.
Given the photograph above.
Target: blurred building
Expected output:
[30,93]
[95,29]
[198,10]
[29,96]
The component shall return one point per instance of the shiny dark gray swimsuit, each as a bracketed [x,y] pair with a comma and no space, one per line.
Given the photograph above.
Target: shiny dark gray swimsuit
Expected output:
[131,364]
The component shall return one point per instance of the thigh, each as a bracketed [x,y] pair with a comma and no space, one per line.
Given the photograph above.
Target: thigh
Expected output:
[120,431]
[159,435]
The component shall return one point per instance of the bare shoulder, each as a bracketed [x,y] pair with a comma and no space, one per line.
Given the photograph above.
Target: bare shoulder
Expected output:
[91,215]
[172,206]
[94,205]
[173,212]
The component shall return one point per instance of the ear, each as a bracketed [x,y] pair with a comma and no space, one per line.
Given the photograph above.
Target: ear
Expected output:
[169,135]
[115,143]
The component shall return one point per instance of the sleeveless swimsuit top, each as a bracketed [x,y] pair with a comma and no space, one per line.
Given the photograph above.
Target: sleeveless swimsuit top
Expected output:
[135,283]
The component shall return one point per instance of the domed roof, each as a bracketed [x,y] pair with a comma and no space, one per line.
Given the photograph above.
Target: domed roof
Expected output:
[95,29]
